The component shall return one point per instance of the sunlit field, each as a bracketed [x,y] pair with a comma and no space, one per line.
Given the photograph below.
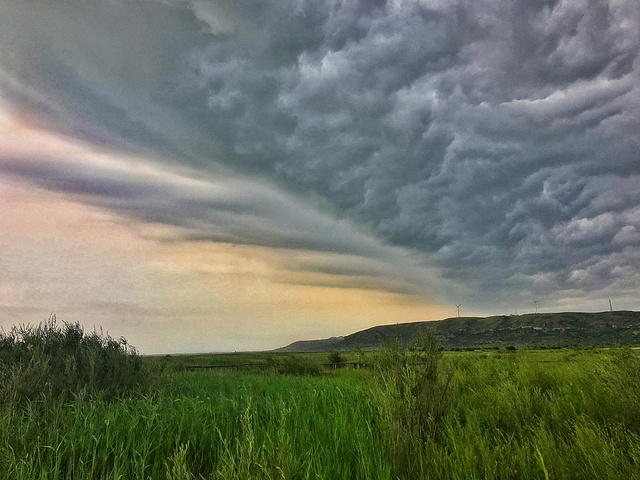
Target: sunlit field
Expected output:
[417,413]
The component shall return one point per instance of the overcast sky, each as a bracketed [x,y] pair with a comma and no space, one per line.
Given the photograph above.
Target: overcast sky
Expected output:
[204,175]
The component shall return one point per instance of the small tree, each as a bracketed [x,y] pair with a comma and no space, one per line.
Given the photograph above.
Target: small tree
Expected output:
[335,357]
[297,365]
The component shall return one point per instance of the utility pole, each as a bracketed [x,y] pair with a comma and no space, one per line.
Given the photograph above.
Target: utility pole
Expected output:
[535,302]
[458,307]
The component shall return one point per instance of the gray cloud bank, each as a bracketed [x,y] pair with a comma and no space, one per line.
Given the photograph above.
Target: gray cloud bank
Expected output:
[498,141]
[207,208]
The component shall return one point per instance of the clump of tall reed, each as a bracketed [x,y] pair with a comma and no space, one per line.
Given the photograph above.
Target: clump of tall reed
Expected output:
[49,362]
[413,395]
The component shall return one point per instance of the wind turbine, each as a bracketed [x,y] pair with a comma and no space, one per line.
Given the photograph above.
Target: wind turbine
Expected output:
[458,307]
[536,304]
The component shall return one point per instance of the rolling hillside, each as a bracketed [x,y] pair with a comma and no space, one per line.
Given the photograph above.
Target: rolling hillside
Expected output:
[532,330]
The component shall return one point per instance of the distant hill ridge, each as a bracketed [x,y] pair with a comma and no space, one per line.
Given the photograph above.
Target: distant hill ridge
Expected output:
[530,330]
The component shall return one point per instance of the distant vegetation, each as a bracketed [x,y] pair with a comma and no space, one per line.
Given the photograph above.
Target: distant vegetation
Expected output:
[536,330]
[81,406]
[335,357]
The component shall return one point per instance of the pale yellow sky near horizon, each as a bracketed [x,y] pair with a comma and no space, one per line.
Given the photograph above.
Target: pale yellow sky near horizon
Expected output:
[139,280]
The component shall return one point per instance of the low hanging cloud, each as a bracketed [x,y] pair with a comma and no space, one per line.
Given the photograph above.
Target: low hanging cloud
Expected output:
[224,209]
[495,141]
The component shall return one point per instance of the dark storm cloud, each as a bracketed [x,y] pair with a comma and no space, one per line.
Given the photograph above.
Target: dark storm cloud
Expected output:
[230,210]
[224,210]
[496,140]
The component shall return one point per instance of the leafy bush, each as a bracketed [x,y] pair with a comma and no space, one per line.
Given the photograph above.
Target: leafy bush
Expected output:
[51,362]
[335,357]
[296,365]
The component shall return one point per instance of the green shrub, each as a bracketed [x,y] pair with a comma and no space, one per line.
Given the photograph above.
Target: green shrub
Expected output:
[335,357]
[297,365]
[51,362]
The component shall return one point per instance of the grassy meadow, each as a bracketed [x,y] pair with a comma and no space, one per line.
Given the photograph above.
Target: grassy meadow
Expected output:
[417,413]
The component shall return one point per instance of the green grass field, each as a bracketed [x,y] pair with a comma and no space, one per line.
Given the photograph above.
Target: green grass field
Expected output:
[486,414]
